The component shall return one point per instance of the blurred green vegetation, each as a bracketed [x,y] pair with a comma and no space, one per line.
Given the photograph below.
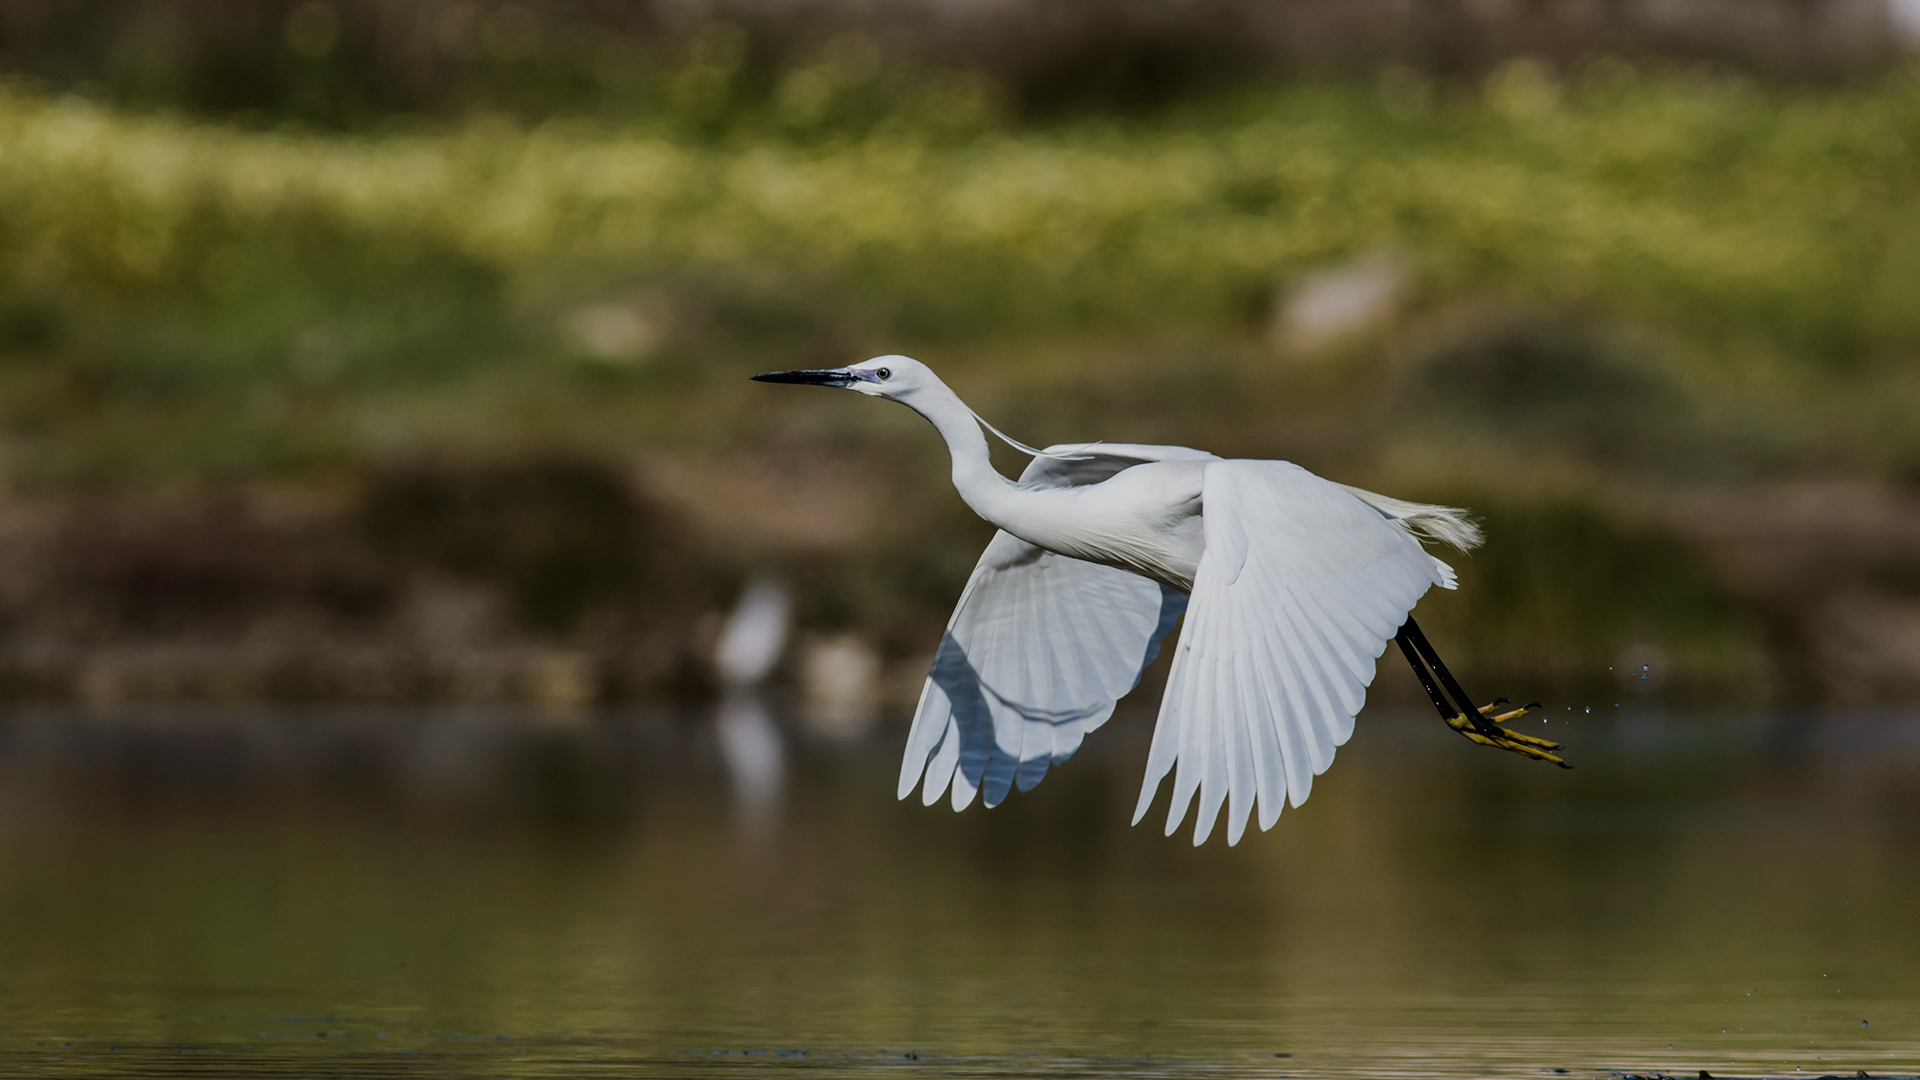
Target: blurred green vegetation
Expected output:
[1619,276]
[186,299]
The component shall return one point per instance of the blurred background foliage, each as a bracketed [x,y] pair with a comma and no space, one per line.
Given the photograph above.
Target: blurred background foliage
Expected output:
[455,303]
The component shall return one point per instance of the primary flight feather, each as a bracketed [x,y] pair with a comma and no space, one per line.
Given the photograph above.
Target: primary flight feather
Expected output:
[1292,587]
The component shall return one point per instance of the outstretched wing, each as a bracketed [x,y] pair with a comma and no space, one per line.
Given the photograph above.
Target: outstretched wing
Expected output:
[1039,650]
[1300,588]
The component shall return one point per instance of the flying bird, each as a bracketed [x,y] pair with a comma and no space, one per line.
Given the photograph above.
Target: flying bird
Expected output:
[1292,587]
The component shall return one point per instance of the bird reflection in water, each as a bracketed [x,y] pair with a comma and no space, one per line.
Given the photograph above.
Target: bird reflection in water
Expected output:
[750,646]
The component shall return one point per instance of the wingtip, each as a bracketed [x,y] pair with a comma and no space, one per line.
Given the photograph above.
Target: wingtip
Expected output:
[1203,824]
[1145,802]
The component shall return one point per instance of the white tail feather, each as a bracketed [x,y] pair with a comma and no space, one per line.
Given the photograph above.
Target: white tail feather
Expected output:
[1446,524]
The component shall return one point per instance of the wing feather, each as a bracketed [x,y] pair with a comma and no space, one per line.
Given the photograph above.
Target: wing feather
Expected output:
[1359,647]
[1077,464]
[1250,759]
[1006,744]
[1337,675]
[1342,670]
[1303,737]
[1343,690]
[1212,775]
[945,760]
[1169,731]
[1189,757]
[1374,611]
[1273,727]
[1300,587]
[1036,655]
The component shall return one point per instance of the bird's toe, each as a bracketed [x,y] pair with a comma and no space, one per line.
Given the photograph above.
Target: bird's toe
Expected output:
[1491,711]
[1505,738]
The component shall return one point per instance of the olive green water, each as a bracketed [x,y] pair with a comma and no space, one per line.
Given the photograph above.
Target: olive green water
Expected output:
[460,894]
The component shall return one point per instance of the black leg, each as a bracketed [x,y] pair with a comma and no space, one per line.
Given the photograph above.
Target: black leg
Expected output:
[1417,647]
[1447,711]
[1466,719]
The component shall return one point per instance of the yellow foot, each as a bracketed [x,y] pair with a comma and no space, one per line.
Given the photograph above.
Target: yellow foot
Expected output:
[1504,739]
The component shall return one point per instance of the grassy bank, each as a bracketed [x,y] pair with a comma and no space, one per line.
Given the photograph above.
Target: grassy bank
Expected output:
[1761,242]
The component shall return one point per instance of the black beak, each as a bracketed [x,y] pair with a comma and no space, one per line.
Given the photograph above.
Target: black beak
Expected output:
[838,377]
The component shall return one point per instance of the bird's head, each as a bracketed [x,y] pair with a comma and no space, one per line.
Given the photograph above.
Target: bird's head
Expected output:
[897,378]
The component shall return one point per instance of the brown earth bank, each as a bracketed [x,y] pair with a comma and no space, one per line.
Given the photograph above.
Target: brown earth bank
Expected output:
[545,582]
[570,582]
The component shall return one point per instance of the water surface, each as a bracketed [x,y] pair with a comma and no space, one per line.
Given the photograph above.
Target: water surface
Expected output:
[674,894]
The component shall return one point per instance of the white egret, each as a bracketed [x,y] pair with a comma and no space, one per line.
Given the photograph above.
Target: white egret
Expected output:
[1292,586]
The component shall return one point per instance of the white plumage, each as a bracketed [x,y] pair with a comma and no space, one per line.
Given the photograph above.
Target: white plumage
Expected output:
[1292,587]
[1039,649]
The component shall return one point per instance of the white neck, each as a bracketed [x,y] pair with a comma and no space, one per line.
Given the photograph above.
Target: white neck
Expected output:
[980,485]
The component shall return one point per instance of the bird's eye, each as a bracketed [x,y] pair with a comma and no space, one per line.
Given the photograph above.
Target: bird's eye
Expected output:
[884,374]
